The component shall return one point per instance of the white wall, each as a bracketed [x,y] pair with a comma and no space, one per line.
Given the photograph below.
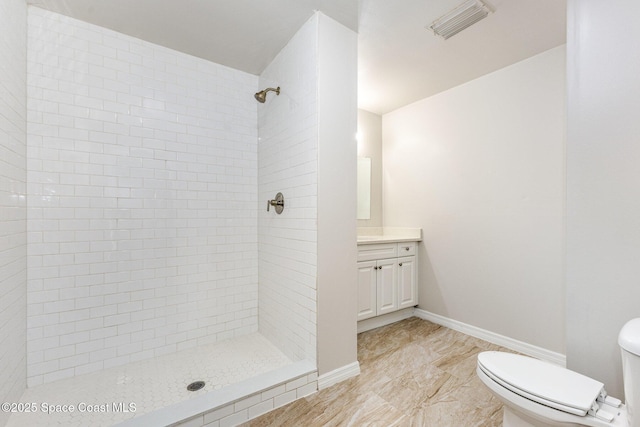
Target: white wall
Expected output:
[13,178]
[337,123]
[142,170]
[603,191]
[287,163]
[480,168]
[370,145]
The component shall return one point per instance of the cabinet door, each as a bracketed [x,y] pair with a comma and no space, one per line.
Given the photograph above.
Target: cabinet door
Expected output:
[387,286]
[407,282]
[366,289]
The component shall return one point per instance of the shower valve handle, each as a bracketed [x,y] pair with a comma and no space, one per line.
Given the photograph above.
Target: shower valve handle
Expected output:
[274,203]
[278,203]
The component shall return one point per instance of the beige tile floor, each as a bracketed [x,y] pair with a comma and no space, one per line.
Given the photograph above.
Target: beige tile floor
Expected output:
[413,373]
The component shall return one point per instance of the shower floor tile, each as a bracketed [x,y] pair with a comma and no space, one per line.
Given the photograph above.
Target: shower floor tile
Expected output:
[116,394]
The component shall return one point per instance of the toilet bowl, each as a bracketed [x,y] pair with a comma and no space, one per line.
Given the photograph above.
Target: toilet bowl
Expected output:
[537,393]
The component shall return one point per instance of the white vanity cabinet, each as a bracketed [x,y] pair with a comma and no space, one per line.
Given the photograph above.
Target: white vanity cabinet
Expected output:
[407,282]
[387,278]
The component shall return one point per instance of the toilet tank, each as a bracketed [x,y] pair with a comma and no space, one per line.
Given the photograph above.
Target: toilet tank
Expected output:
[629,341]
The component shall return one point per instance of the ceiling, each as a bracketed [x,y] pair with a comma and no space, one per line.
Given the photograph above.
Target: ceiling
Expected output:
[399,60]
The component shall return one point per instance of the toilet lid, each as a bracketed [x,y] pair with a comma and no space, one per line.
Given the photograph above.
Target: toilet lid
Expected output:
[541,382]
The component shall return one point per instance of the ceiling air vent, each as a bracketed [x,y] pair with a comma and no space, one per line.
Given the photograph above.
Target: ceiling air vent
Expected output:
[463,16]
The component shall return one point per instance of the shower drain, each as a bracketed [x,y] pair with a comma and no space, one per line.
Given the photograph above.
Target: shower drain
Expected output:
[196,385]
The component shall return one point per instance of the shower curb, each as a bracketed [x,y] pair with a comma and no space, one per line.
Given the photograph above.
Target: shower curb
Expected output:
[237,403]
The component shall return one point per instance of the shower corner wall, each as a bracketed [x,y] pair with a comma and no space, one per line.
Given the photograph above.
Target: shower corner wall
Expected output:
[307,151]
[13,179]
[287,163]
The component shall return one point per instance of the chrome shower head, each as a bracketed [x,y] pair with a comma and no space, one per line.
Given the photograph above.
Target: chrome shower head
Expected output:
[262,95]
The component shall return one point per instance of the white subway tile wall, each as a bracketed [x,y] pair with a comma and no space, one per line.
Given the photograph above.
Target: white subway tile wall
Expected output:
[142,199]
[287,159]
[13,214]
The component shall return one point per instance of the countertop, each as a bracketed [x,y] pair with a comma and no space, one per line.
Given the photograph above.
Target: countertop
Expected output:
[372,235]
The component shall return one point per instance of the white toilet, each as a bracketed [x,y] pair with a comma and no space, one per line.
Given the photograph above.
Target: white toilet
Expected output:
[537,393]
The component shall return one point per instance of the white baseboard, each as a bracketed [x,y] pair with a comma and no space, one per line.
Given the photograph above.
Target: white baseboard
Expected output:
[492,337]
[338,375]
[385,319]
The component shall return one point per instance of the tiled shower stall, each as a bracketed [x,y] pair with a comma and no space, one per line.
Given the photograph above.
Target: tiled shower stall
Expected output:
[145,173]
